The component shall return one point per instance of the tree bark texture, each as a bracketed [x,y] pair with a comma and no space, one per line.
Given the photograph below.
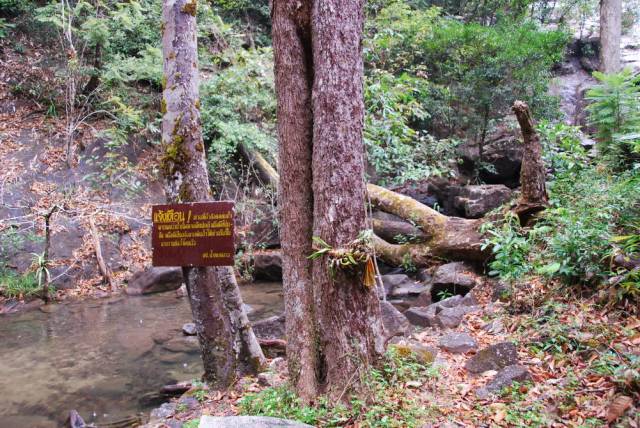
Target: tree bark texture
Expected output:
[227,342]
[610,34]
[348,314]
[333,323]
[294,79]
[533,190]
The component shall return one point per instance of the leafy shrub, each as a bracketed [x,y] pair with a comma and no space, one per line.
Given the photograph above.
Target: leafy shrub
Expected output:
[238,107]
[615,111]
[394,109]
[573,239]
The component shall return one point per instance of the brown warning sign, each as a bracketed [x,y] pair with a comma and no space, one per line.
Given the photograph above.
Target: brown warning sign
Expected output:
[196,234]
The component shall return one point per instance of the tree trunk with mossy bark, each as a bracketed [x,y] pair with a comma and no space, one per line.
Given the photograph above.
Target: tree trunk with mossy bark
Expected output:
[227,342]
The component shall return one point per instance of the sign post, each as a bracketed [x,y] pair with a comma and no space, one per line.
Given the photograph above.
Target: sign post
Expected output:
[195,234]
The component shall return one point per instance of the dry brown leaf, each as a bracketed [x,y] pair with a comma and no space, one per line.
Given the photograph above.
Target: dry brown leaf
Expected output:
[618,406]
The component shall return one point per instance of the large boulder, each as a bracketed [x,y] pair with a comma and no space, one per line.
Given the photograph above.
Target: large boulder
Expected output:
[155,280]
[248,421]
[395,324]
[494,357]
[458,343]
[453,278]
[504,378]
[476,201]
[445,314]
[267,265]
[270,328]
[498,160]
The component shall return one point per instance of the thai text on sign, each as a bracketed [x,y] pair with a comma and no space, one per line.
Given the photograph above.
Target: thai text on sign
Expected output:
[196,234]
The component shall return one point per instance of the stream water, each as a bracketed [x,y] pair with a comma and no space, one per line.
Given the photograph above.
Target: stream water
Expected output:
[105,358]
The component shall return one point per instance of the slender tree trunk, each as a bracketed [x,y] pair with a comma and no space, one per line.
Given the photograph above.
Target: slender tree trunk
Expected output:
[610,34]
[294,79]
[227,342]
[533,190]
[347,313]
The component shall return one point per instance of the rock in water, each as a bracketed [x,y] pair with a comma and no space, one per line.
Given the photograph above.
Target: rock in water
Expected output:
[155,280]
[248,422]
[270,328]
[189,329]
[495,357]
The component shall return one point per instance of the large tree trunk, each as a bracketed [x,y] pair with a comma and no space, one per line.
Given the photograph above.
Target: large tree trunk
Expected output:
[533,190]
[227,342]
[294,79]
[610,34]
[348,313]
[333,324]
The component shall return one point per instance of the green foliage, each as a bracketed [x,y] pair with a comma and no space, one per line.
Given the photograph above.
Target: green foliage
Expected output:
[384,403]
[194,423]
[13,8]
[572,241]
[478,70]
[563,151]
[15,285]
[615,111]
[238,107]
[4,28]
[510,246]
[396,149]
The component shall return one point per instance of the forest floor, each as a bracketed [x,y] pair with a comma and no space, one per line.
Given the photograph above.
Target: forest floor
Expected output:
[582,359]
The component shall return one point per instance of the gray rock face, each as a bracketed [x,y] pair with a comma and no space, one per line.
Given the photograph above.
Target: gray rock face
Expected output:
[248,422]
[162,412]
[270,328]
[409,289]
[394,322]
[476,201]
[504,378]
[155,280]
[445,314]
[452,317]
[267,266]
[502,150]
[189,329]
[458,343]
[456,278]
[495,357]
[393,281]
[494,327]
[423,317]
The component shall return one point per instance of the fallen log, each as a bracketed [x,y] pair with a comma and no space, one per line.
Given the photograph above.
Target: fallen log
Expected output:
[440,236]
[450,238]
[398,232]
